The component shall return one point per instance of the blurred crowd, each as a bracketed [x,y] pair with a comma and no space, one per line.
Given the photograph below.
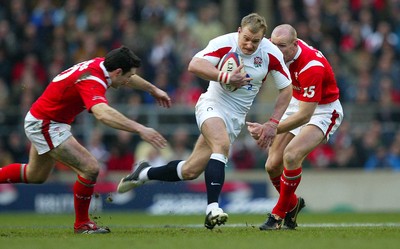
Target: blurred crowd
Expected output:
[361,39]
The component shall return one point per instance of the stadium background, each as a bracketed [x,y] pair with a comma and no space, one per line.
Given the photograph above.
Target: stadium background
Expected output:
[361,38]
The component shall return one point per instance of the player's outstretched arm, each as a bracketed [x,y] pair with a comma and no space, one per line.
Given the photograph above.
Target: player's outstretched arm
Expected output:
[113,118]
[162,98]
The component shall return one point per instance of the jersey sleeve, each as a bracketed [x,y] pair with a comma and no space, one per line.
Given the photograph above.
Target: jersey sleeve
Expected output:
[215,50]
[92,93]
[279,71]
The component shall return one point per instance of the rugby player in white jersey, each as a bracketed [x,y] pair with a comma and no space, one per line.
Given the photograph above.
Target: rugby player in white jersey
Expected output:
[313,115]
[221,114]
[48,126]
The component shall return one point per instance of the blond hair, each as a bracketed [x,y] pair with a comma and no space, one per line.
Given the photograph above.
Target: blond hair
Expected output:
[254,22]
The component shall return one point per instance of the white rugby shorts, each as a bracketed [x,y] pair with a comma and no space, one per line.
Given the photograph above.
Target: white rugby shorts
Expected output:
[45,135]
[207,108]
[327,117]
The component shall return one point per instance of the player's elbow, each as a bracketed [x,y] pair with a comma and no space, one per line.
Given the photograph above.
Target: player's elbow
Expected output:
[192,67]
[100,117]
[197,66]
[306,118]
[100,112]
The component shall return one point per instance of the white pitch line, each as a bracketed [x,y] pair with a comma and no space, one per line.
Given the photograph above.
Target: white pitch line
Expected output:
[306,225]
[312,225]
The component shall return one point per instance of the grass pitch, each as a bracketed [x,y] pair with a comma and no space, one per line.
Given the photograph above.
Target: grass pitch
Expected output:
[138,230]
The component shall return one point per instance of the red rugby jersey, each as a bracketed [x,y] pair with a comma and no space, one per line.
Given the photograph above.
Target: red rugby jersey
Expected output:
[72,91]
[312,76]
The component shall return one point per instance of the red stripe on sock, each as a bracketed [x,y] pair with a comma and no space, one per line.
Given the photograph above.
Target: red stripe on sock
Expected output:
[24,166]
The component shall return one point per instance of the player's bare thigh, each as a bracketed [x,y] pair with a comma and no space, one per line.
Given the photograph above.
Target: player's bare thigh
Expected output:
[301,145]
[216,135]
[197,162]
[39,166]
[73,154]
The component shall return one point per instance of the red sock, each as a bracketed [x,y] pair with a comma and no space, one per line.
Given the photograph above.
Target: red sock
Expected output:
[290,179]
[13,173]
[83,191]
[276,181]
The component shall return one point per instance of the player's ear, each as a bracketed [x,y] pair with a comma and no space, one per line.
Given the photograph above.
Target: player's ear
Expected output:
[119,71]
[239,29]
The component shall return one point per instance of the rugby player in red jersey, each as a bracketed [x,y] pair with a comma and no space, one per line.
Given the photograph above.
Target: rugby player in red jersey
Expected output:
[313,115]
[48,125]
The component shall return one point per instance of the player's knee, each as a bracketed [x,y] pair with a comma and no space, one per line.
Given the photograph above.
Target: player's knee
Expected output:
[225,148]
[291,157]
[274,165]
[91,171]
[273,169]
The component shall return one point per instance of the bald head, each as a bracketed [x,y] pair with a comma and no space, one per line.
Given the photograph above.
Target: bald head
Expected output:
[285,38]
[284,32]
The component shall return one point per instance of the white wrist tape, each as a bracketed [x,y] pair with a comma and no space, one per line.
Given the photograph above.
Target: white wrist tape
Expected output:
[224,77]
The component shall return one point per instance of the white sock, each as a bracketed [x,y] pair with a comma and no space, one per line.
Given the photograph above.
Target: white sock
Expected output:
[212,206]
[219,157]
[179,169]
[143,174]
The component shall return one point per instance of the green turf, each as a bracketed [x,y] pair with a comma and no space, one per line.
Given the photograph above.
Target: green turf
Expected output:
[133,230]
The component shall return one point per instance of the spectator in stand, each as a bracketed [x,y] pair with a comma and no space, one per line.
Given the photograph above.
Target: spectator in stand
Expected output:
[29,65]
[179,16]
[188,92]
[146,152]
[89,47]
[343,145]
[208,25]
[98,148]
[377,159]
[367,145]
[322,157]
[121,153]
[180,144]
[382,35]
[18,147]
[243,156]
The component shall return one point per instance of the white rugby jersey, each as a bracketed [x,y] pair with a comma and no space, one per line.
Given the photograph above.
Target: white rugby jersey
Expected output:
[266,59]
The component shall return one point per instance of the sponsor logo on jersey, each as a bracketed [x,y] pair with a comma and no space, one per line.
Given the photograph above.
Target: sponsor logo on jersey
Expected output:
[98,97]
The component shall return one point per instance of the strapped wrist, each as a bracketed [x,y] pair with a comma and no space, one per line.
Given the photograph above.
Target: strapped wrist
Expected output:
[273,120]
[224,77]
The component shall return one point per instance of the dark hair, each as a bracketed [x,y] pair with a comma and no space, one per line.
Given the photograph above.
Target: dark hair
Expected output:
[123,58]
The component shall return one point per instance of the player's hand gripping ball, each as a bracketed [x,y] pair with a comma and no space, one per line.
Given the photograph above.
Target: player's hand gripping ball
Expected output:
[228,64]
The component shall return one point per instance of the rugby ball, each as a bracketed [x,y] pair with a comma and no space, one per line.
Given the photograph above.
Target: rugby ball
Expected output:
[229,63]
